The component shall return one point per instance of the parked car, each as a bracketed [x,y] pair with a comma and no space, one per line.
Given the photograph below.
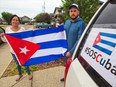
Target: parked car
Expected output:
[1,31]
[43,25]
[93,63]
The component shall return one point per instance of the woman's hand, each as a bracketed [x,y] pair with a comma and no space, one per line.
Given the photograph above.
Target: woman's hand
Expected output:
[2,34]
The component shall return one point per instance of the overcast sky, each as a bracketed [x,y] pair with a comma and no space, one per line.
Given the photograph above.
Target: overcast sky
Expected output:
[28,8]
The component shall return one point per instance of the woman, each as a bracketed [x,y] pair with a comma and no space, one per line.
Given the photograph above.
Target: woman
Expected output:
[15,21]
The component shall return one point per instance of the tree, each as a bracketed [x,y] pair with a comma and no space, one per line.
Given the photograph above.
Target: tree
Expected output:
[6,16]
[43,17]
[87,8]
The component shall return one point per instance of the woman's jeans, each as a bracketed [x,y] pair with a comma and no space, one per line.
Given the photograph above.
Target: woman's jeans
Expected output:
[19,67]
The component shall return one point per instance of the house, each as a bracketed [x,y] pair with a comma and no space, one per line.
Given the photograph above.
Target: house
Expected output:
[25,19]
[58,15]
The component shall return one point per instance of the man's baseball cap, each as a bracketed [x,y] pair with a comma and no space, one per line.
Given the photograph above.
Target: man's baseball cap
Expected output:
[74,5]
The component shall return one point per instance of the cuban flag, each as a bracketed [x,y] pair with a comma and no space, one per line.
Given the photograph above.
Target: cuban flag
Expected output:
[38,46]
[105,42]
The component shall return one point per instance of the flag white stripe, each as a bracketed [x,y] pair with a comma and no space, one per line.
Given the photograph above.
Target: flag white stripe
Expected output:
[50,37]
[46,52]
[106,46]
[108,39]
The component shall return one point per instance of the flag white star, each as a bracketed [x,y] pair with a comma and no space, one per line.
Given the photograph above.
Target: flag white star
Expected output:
[24,50]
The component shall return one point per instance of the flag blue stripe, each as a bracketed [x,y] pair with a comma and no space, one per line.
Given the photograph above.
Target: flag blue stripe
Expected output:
[108,43]
[31,33]
[103,49]
[44,59]
[53,44]
[108,35]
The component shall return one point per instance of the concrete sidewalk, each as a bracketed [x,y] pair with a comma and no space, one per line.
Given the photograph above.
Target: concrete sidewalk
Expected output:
[42,78]
[5,57]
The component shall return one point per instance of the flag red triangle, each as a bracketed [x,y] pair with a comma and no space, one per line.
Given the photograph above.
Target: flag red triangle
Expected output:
[97,40]
[23,49]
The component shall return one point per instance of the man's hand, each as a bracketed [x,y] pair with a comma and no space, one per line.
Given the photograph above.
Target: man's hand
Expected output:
[68,54]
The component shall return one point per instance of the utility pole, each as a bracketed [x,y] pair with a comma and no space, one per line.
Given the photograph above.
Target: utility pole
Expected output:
[43,7]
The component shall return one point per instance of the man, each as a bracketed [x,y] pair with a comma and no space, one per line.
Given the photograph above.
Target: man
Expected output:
[74,28]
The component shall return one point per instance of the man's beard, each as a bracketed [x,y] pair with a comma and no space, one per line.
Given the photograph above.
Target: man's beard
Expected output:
[73,18]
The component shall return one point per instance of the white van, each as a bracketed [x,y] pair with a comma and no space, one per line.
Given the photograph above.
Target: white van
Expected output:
[94,59]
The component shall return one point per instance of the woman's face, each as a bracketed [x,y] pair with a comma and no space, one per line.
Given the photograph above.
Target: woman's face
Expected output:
[15,21]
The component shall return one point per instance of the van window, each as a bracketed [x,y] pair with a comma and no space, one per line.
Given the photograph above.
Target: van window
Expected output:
[107,18]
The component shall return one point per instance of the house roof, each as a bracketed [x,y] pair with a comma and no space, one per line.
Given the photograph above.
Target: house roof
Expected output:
[57,8]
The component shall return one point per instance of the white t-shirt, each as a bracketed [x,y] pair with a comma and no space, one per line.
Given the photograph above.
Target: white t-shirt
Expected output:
[9,30]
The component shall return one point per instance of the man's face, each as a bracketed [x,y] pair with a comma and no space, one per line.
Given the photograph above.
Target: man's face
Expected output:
[73,13]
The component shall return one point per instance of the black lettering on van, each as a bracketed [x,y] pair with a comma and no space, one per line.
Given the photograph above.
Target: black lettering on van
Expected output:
[94,56]
[113,71]
[87,50]
[108,65]
[91,53]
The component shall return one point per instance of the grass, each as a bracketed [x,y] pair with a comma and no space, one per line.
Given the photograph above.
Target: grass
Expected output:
[12,69]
